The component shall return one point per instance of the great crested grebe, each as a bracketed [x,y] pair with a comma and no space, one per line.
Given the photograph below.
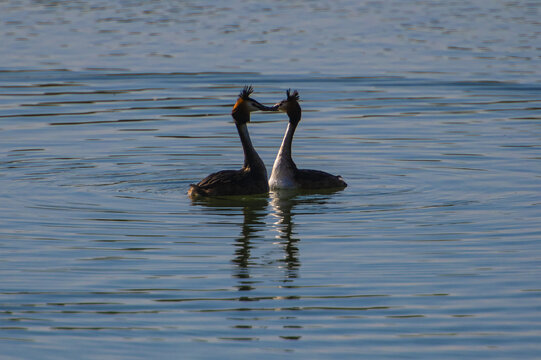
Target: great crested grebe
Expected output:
[252,178]
[285,174]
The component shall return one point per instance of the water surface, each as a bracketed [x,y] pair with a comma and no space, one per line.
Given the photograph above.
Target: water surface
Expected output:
[432,251]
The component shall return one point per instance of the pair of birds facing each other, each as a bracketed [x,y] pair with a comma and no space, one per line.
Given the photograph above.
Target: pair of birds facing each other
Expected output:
[252,178]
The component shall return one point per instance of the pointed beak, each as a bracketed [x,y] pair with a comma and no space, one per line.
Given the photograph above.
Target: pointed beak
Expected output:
[275,107]
[262,107]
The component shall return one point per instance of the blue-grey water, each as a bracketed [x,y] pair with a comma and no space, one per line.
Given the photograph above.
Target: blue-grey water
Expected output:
[430,110]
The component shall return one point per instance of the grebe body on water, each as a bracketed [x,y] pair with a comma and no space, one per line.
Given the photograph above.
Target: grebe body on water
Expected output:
[252,178]
[285,174]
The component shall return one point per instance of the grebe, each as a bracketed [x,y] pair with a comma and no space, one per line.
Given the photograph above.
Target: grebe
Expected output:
[285,174]
[252,178]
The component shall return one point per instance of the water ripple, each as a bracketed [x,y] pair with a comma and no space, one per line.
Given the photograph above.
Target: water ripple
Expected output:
[431,251]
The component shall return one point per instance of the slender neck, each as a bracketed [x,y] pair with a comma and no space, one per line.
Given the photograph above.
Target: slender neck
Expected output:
[284,157]
[285,148]
[251,158]
[294,115]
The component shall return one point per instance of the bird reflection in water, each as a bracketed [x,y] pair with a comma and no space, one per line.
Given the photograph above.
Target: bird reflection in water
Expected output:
[282,203]
[255,210]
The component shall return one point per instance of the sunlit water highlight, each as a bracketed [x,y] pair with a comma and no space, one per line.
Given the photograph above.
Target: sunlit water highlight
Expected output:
[432,251]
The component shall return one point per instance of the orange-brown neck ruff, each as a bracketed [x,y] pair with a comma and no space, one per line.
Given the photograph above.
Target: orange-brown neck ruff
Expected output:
[239,113]
[237,104]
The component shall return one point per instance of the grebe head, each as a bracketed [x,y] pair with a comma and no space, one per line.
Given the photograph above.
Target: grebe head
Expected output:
[291,106]
[245,105]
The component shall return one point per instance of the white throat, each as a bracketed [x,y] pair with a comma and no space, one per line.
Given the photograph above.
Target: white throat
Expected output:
[283,170]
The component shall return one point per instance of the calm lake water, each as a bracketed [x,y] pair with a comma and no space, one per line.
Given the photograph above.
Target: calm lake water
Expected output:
[430,110]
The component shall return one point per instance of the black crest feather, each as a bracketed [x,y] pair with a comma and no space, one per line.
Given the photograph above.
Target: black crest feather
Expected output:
[292,95]
[246,92]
